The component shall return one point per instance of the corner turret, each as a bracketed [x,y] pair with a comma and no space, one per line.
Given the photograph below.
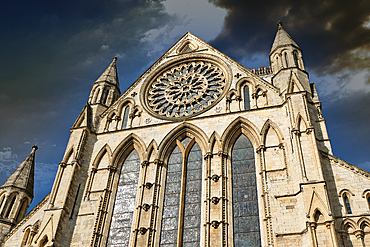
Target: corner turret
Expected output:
[287,63]
[16,194]
[106,90]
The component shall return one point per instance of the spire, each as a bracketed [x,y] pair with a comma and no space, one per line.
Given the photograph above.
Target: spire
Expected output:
[110,74]
[282,38]
[23,176]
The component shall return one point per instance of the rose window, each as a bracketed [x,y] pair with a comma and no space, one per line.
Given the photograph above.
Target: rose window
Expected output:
[186,89]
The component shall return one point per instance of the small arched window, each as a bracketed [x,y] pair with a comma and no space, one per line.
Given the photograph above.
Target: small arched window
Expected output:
[295,56]
[2,200]
[26,237]
[22,210]
[125,117]
[95,97]
[368,200]
[10,206]
[347,204]
[105,96]
[246,98]
[44,241]
[286,59]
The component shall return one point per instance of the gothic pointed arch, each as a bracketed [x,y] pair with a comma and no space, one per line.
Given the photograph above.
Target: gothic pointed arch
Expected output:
[265,128]
[317,203]
[235,128]
[245,81]
[215,142]
[112,114]
[231,94]
[125,102]
[183,129]
[294,84]
[132,141]
[363,222]
[68,157]
[152,150]
[182,191]
[187,46]
[348,223]
[301,123]
[104,150]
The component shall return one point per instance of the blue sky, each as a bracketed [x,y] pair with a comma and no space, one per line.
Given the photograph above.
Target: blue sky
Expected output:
[53,51]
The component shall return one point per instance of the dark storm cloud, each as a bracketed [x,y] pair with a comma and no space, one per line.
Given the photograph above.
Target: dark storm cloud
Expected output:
[331,31]
[52,51]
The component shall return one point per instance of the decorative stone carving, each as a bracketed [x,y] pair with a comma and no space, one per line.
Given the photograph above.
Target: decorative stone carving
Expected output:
[215,178]
[185,90]
[215,224]
[148,185]
[146,207]
[215,200]
[142,230]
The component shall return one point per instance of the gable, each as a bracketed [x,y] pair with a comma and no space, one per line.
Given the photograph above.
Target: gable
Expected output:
[191,79]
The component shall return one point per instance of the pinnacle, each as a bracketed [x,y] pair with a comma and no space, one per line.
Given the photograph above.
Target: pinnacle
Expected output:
[23,176]
[282,38]
[110,74]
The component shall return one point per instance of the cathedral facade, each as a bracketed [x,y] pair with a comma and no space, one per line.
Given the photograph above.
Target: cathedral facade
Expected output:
[198,151]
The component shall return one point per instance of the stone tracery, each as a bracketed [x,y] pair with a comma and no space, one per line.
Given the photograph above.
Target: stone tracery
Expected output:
[186,89]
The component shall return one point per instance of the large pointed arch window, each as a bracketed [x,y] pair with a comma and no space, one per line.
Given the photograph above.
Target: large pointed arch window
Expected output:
[120,228]
[245,202]
[181,218]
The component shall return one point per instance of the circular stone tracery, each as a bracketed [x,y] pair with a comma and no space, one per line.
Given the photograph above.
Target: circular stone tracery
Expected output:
[185,90]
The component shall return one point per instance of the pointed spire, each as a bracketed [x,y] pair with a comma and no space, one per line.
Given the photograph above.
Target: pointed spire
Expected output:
[23,176]
[282,38]
[110,74]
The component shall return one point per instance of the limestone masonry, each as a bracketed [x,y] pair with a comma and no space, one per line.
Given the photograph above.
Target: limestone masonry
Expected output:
[198,151]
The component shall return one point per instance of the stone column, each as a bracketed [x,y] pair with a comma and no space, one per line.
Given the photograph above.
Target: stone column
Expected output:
[312,226]
[360,237]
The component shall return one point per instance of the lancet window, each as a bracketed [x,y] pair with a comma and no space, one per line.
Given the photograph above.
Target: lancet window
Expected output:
[295,56]
[286,59]
[245,201]
[10,206]
[347,204]
[125,117]
[246,97]
[120,229]
[181,220]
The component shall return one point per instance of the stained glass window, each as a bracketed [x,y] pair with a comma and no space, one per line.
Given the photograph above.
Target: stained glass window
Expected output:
[246,98]
[172,200]
[125,117]
[245,203]
[120,229]
[191,221]
[348,205]
[193,197]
